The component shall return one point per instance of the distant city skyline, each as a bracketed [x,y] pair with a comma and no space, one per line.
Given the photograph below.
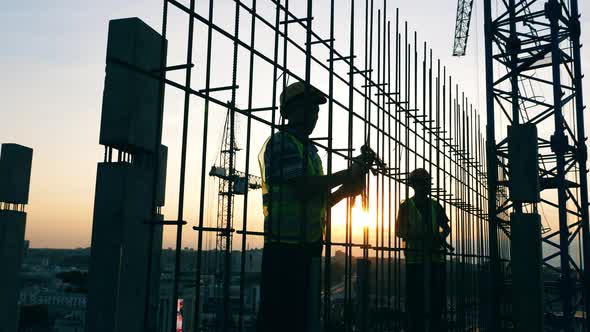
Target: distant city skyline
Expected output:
[53,63]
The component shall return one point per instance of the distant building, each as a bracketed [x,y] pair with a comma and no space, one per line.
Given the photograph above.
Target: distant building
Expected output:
[15,175]
[68,325]
[183,317]
[31,296]
[210,301]
[53,290]
[68,309]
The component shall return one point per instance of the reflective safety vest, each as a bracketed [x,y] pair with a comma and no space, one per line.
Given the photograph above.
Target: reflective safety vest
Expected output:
[289,218]
[418,249]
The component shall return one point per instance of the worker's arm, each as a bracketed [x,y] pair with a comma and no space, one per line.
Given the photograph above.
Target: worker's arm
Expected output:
[311,185]
[351,179]
[336,197]
[347,190]
[284,166]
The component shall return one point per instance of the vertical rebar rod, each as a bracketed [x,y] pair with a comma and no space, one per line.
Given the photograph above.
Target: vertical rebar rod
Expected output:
[247,166]
[384,147]
[445,190]
[328,259]
[157,164]
[349,146]
[406,169]
[362,322]
[416,98]
[197,312]
[451,190]
[469,236]
[389,151]
[269,223]
[379,112]
[429,124]
[227,320]
[424,107]
[177,253]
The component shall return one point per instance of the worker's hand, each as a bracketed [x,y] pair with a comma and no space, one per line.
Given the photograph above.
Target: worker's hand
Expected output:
[348,189]
[352,189]
[357,183]
[359,167]
[357,171]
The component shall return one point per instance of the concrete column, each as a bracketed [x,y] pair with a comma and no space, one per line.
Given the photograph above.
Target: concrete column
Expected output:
[130,184]
[527,282]
[15,173]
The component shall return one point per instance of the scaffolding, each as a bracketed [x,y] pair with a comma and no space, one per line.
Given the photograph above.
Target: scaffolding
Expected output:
[386,89]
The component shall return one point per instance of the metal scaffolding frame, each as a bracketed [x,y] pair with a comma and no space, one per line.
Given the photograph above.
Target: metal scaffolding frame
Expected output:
[538,42]
[411,112]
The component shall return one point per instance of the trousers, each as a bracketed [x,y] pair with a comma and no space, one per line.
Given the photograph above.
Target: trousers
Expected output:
[422,288]
[286,287]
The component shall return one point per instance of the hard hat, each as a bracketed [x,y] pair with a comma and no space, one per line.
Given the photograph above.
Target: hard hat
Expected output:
[296,90]
[419,175]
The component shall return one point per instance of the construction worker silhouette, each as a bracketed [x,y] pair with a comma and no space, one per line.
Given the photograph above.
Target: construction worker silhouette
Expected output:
[296,195]
[423,226]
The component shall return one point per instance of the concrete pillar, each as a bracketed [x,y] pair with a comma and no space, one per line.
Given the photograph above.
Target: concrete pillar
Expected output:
[130,184]
[12,234]
[15,173]
[527,282]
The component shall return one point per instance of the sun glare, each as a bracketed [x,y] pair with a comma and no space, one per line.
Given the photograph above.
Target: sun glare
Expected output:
[360,217]
[360,224]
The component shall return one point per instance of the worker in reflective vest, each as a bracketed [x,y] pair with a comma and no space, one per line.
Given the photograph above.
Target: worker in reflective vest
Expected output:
[296,195]
[423,226]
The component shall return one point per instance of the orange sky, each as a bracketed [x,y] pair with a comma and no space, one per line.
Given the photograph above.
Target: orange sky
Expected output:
[52,62]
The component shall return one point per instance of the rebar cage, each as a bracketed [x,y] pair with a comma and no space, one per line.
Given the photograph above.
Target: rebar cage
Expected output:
[385,89]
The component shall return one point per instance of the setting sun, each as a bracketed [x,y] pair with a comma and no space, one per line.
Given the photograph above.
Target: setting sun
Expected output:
[360,218]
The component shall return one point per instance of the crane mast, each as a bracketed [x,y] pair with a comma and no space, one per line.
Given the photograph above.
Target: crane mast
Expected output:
[231,182]
[225,206]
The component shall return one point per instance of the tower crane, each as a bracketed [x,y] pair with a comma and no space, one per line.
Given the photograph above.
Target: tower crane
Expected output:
[526,84]
[231,182]
[464,9]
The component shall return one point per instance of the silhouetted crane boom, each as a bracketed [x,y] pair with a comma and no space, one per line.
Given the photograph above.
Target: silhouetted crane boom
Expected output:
[239,178]
[464,9]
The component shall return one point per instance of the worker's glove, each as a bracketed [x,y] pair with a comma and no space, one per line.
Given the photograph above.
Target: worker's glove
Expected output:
[355,184]
[360,166]
[354,188]
[357,171]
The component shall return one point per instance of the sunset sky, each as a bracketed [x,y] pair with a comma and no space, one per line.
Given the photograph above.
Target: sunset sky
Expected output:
[52,61]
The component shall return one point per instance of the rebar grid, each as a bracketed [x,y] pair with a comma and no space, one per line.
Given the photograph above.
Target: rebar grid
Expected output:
[394,98]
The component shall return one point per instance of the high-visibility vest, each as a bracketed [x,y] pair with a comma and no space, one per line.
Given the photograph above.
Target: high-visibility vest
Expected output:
[418,249]
[287,217]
